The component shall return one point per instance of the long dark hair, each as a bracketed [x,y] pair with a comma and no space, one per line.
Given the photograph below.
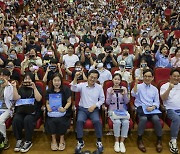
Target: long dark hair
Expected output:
[57,75]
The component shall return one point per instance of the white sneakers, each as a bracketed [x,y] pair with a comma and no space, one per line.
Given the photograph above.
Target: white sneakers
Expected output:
[116,147]
[119,147]
[122,147]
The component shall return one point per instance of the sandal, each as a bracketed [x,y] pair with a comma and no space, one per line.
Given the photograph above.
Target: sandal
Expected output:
[62,146]
[54,147]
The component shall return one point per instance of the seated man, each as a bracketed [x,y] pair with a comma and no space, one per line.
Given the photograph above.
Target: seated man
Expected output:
[92,97]
[170,95]
[147,96]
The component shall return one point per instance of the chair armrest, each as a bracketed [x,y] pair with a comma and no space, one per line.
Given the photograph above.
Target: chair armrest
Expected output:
[74,109]
[104,115]
[163,110]
[132,110]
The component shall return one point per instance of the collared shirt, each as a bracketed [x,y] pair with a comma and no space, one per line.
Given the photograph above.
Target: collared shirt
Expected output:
[89,95]
[111,99]
[161,60]
[129,60]
[103,75]
[146,95]
[173,100]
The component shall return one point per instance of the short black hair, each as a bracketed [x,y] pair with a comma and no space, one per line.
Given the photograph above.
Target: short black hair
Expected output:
[77,63]
[6,72]
[148,70]
[53,61]
[93,71]
[70,45]
[174,70]
[107,48]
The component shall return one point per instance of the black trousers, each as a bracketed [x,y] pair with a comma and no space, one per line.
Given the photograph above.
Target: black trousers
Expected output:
[25,121]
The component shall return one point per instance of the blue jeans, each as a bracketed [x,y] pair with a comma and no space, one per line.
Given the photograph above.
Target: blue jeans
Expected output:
[83,115]
[175,124]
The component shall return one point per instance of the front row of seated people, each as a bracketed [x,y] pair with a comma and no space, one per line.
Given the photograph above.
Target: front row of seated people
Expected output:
[91,98]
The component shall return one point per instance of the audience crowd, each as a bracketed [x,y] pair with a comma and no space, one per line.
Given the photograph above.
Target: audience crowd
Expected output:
[88,43]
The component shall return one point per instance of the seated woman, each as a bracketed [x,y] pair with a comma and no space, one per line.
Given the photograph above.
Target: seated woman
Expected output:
[13,57]
[26,115]
[14,74]
[161,56]
[139,71]
[175,61]
[78,67]
[120,124]
[58,118]
[33,68]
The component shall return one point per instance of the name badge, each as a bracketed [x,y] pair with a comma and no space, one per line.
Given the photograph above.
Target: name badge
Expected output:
[27,101]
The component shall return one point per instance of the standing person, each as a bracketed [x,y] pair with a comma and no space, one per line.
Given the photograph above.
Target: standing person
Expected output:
[6,95]
[170,96]
[147,95]
[92,97]
[60,118]
[117,100]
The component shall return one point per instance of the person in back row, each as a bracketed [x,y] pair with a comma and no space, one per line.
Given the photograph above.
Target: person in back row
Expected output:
[170,95]
[92,97]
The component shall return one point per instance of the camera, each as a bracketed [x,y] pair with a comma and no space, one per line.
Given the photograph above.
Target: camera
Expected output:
[35,67]
[52,67]
[98,61]
[26,84]
[87,53]
[31,56]
[147,52]
[78,69]
[108,51]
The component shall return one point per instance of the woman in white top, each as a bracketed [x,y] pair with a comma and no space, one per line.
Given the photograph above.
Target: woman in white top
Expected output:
[127,38]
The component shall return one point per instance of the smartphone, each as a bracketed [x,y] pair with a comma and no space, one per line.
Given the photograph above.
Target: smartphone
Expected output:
[118,90]
[49,53]
[35,67]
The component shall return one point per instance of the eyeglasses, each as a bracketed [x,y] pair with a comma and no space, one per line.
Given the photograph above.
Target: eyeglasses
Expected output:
[145,76]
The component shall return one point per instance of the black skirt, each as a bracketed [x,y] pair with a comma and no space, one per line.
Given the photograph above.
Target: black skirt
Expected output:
[58,125]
